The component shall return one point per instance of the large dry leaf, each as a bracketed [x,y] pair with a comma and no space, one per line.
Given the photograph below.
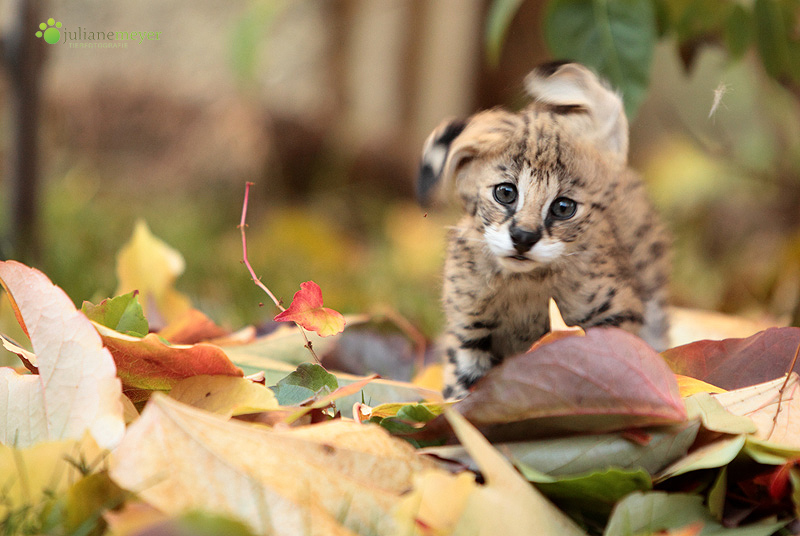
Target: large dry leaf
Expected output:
[76,388]
[326,479]
[606,380]
[735,363]
[148,364]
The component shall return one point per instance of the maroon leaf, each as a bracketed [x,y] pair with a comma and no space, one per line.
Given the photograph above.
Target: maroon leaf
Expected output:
[607,380]
[735,363]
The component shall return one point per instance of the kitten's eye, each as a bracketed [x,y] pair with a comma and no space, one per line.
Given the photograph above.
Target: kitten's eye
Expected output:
[563,208]
[505,193]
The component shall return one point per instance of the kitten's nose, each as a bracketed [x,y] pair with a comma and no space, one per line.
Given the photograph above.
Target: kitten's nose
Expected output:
[524,240]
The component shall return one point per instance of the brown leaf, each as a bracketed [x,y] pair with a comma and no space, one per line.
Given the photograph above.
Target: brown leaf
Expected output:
[734,363]
[607,380]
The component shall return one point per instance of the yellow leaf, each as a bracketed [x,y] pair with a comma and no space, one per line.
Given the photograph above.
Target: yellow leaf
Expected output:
[325,479]
[31,475]
[149,265]
[224,395]
[431,377]
[688,386]
[436,504]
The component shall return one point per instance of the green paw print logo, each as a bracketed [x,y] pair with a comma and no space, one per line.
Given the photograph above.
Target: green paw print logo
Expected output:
[50,31]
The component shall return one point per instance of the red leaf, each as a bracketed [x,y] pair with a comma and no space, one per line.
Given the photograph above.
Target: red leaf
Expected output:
[606,380]
[307,311]
[735,363]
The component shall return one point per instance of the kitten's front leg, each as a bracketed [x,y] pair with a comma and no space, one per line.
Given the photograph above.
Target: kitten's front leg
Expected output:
[468,358]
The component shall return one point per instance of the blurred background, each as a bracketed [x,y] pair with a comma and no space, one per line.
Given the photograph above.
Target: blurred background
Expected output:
[324,105]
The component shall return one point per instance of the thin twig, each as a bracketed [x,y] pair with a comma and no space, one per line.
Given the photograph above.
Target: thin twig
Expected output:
[780,391]
[257,280]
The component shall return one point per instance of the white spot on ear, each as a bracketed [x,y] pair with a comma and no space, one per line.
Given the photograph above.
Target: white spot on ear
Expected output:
[435,158]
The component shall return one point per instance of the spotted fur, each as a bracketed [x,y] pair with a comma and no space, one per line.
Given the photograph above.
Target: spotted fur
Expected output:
[606,264]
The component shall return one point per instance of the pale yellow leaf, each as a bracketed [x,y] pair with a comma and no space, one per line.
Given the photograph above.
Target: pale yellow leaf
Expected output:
[147,264]
[325,479]
[224,395]
[436,504]
[773,406]
[690,325]
[507,504]
[77,388]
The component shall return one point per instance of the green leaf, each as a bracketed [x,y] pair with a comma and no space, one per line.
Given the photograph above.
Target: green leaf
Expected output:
[778,43]
[616,38]
[308,380]
[123,314]
[715,417]
[648,513]
[576,455]
[498,20]
[404,421]
[593,493]
[717,454]
[738,31]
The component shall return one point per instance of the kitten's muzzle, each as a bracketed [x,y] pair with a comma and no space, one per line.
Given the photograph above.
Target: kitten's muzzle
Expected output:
[523,239]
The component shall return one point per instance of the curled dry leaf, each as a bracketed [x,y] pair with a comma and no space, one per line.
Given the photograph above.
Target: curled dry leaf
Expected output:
[307,310]
[76,389]
[327,479]
[148,364]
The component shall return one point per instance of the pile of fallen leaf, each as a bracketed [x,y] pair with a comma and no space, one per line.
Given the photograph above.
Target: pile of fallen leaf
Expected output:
[138,415]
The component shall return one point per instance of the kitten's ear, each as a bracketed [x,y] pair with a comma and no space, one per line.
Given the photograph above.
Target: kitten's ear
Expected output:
[574,91]
[435,155]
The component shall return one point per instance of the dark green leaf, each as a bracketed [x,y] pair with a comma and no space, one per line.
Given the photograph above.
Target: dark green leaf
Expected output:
[738,31]
[777,39]
[499,19]
[594,493]
[615,38]
[308,380]
[122,313]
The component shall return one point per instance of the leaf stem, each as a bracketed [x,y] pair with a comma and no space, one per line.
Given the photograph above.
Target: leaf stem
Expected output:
[781,391]
[257,280]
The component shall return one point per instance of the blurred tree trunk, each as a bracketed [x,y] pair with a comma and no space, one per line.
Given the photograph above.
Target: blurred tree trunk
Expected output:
[22,58]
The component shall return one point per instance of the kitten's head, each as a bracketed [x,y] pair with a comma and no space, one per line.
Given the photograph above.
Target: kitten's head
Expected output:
[534,181]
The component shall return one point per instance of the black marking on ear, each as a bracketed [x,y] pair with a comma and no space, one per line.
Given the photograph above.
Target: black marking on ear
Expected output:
[547,69]
[430,170]
[565,109]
